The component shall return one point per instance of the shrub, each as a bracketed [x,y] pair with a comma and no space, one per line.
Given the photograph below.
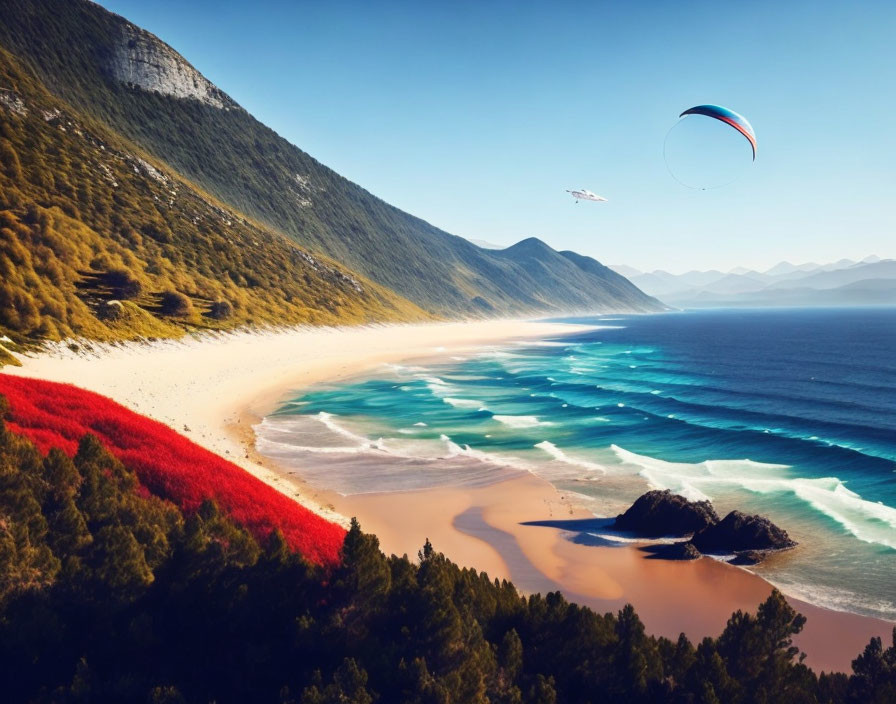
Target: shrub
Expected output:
[176,304]
[221,310]
[124,284]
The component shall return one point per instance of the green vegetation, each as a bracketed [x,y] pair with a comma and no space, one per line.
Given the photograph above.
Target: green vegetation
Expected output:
[86,221]
[72,46]
[110,594]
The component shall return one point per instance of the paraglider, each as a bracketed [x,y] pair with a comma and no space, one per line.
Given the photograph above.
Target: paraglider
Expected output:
[706,153]
[729,117]
[587,195]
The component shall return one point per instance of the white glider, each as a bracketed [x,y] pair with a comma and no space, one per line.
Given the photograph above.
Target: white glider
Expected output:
[586,195]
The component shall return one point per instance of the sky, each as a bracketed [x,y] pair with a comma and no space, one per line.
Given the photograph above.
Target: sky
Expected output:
[477,116]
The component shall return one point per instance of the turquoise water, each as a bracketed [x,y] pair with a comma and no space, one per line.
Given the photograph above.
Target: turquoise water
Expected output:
[791,414]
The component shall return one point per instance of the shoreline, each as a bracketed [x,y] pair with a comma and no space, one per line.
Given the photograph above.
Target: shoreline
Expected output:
[484,528]
[214,389]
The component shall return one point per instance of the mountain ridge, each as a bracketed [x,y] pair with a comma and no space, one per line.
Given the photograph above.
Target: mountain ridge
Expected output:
[870,281]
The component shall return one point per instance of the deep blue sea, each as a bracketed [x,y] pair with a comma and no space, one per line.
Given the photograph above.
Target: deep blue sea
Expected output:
[788,413]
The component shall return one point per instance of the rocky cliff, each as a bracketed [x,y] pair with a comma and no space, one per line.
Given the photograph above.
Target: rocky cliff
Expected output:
[140,60]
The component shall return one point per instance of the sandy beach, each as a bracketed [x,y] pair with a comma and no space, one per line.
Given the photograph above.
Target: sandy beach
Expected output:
[484,528]
[215,388]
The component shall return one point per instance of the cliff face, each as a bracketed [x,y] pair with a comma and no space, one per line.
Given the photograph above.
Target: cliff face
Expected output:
[139,59]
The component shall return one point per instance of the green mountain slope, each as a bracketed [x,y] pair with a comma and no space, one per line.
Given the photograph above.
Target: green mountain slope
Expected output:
[99,242]
[142,88]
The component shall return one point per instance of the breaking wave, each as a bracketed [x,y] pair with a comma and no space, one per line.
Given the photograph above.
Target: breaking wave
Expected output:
[868,521]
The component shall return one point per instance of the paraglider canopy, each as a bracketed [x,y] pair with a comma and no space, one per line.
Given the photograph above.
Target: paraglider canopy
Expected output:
[737,121]
[586,195]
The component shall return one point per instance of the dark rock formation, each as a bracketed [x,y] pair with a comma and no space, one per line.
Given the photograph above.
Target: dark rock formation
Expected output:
[748,557]
[659,513]
[738,532]
[675,551]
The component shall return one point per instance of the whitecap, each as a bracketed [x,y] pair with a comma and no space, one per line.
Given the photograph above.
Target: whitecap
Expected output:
[327,420]
[462,402]
[561,456]
[520,421]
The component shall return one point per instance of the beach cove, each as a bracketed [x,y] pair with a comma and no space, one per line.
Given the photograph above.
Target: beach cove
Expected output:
[215,389]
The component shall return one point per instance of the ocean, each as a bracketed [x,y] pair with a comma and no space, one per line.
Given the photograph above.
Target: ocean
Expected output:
[787,413]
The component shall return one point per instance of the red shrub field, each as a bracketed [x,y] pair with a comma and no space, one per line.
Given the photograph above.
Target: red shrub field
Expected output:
[167,464]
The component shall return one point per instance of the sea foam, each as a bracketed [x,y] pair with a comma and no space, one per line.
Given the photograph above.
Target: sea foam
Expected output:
[866,520]
[520,421]
[560,456]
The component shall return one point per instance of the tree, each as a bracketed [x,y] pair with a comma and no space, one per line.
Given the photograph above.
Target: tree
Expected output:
[874,681]
[348,687]
[364,577]
[120,561]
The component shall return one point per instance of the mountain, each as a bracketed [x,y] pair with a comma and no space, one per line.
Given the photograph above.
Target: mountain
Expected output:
[627,271]
[122,80]
[488,245]
[852,274]
[844,282]
[788,268]
[99,240]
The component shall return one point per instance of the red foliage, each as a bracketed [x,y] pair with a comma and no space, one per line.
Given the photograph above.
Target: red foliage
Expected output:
[168,464]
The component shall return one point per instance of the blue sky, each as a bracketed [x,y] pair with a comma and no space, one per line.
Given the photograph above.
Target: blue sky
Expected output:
[476,116]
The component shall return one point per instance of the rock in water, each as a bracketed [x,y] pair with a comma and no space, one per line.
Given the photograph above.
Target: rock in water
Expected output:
[659,513]
[748,557]
[677,551]
[738,532]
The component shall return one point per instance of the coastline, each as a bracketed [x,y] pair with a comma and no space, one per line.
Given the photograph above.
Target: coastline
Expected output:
[213,389]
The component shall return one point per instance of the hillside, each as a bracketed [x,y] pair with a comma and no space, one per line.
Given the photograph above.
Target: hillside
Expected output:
[165,463]
[129,80]
[98,240]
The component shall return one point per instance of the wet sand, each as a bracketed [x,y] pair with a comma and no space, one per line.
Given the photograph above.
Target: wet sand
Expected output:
[484,528]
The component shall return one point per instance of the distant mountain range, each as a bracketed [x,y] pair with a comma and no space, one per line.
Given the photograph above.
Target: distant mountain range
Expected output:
[871,281]
[180,189]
